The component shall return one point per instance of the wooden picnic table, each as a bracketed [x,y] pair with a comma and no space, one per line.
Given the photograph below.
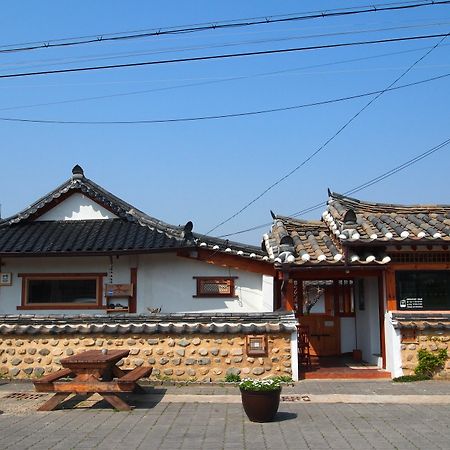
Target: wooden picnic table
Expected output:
[93,371]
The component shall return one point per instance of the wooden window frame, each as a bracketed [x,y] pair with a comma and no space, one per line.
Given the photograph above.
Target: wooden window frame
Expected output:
[262,350]
[346,292]
[62,276]
[217,279]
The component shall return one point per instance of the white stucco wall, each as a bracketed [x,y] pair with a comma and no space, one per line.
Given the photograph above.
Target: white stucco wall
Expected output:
[77,207]
[164,280]
[393,347]
[367,323]
[348,334]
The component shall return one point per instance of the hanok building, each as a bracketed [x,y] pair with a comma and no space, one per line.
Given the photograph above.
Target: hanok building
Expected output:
[370,279]
[82,269]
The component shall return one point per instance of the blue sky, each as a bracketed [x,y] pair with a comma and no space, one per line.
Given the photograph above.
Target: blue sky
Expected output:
[205,171]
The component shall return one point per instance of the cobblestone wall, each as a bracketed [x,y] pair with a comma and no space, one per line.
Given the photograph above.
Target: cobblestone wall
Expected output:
[428,340]
[190,357]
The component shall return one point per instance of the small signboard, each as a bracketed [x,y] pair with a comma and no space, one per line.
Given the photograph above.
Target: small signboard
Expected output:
[411,303]
[118,290]
[5,278]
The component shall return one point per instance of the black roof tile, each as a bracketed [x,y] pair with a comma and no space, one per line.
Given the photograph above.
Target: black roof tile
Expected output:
[81,236]
[132,231]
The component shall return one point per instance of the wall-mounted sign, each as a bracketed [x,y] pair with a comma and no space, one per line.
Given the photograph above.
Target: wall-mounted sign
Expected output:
[5,278]
[411,303]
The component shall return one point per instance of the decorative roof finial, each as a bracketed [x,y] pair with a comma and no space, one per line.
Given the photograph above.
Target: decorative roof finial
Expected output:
[77,172]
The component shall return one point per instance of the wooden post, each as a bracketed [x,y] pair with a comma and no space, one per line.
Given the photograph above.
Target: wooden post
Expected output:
[132,302]
[390,290]
[381,318]
[289,296]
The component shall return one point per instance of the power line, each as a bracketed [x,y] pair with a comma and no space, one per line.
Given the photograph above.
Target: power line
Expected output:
[358,188]
[213,117]
[225,56]
[212,80]
[337,133]
[108,56]
[239,23]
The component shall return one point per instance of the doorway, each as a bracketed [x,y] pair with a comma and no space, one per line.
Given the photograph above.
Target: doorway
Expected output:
[327,309]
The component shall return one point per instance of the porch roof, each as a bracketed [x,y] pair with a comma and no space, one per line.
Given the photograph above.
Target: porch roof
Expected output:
[354,232]
[311,243]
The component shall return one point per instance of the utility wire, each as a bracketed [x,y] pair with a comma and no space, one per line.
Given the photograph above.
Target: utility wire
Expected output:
[239,23]
[225,56]
[215,79]
[211,117]
[337,133]
[358,188]
[110,56]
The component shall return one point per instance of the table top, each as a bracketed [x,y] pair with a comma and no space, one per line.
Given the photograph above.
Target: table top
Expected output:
[95,357]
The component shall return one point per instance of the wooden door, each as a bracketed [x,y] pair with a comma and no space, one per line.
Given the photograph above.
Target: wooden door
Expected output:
[324,334]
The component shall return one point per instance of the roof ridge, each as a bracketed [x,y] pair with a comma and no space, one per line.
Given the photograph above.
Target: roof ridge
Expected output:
[352,200]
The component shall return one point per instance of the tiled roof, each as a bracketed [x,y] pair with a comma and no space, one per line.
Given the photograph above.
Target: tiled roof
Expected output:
[132,231]
[311,242]
[305,241]
[355,220]
[179,323]
[84,236]
[421,321]
[353,229]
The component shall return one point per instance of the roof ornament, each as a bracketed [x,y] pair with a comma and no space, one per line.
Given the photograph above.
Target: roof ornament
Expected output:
[187,231]
[350,217]
[77,172]
[274,216]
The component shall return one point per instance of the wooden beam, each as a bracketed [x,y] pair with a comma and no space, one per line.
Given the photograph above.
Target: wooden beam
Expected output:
[233,261]
[333,274]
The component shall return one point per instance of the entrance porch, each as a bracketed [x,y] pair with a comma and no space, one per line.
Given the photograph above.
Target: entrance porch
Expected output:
[340,314]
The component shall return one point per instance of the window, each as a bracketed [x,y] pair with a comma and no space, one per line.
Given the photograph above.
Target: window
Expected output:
[423,290]
[256,345]
[62,291]
[215,286]
[345,299]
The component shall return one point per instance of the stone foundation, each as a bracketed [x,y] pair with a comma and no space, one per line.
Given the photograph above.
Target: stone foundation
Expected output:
[192,357]
[430,340]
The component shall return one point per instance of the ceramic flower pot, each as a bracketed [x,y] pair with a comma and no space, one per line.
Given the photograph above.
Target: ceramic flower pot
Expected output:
[261,406]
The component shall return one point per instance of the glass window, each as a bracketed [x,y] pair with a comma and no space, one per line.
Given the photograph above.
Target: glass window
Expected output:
[62,291]
[425,289]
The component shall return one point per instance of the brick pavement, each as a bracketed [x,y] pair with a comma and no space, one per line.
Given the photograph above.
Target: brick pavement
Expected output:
[191,425]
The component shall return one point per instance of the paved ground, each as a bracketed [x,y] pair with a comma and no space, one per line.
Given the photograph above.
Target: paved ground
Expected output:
[338,415]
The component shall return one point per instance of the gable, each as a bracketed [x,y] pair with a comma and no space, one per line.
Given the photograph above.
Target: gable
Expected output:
[77,207]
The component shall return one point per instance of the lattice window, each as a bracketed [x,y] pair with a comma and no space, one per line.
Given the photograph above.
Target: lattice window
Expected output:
[421,257]
[215,286]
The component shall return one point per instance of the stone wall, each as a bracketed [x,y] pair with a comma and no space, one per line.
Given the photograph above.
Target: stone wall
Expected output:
[195,357]
[424,339]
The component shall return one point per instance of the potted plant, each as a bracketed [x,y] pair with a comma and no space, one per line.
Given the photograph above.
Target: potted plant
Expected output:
[261,398]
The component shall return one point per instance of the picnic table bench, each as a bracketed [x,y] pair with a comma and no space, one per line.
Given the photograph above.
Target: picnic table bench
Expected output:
[94,371]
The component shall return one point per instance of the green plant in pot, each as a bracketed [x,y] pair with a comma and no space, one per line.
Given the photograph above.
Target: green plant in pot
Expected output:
[261,398]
